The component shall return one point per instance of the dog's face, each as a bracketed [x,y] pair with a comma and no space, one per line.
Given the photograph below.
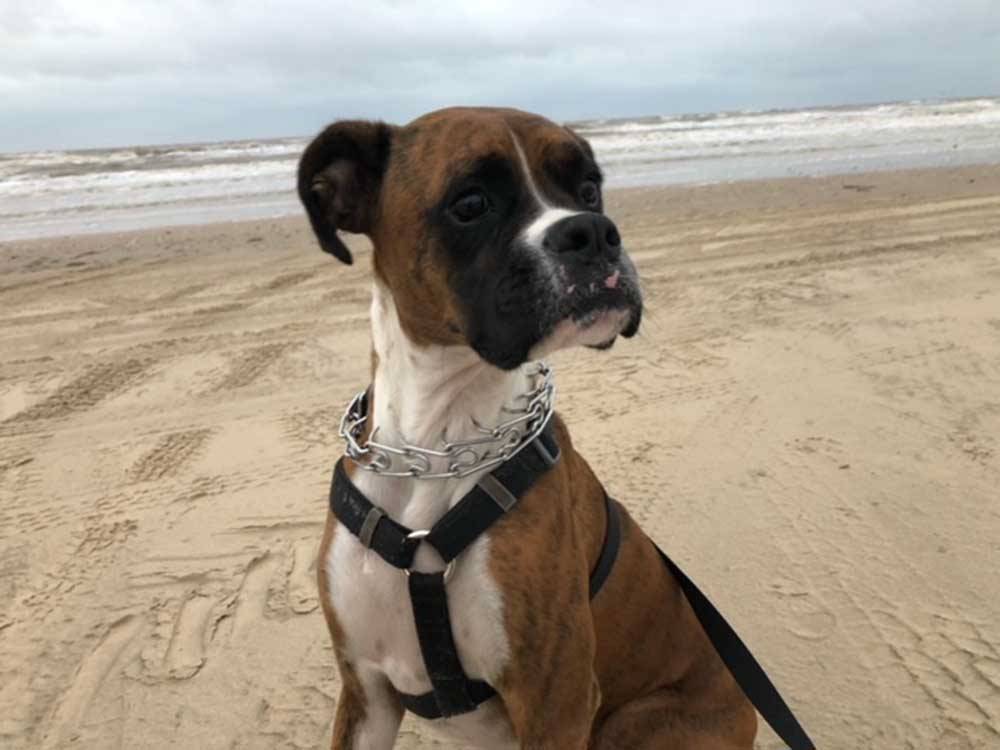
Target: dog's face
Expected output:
[488,229]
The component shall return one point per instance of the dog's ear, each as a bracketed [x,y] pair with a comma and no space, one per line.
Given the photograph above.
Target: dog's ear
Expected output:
[340,178]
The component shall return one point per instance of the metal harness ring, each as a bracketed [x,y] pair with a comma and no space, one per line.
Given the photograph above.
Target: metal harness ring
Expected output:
[421,534]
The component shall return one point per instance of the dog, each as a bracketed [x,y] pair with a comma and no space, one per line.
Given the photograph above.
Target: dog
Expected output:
[491,250]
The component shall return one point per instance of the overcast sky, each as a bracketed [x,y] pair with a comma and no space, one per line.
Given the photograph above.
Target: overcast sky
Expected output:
[77,73]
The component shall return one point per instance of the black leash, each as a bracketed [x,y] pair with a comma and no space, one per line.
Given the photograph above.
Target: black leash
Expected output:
[747,672]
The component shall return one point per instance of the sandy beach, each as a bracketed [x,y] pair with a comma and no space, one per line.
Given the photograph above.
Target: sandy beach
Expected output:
[809,422]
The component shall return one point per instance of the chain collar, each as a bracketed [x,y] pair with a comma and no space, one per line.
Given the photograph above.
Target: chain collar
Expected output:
[461,457]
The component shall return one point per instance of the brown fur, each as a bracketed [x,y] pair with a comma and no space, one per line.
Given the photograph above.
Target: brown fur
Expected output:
[630,669]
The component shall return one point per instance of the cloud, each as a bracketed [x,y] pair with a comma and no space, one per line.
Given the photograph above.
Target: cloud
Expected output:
[99,72]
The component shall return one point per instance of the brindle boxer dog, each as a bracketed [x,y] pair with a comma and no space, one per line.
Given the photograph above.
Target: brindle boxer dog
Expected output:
[491,250]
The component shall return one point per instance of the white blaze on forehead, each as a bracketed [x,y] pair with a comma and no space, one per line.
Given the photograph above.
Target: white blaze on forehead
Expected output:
[527,170]
[548,214]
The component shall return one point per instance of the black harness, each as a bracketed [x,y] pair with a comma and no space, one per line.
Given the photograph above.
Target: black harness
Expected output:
[453,692]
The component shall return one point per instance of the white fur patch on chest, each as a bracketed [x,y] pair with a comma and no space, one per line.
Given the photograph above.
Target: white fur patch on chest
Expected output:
[372,603]
[421,396]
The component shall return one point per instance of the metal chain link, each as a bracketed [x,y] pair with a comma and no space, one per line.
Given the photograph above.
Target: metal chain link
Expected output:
[463,457]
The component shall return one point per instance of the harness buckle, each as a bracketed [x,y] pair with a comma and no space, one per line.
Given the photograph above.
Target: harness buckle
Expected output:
[496,490]
[367,531]
[547,458]
[421,534]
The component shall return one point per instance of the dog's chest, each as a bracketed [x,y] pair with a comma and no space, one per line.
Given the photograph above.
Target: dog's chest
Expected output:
[372,604]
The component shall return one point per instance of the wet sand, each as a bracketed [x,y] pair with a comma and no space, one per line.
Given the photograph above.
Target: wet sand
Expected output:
[809,422]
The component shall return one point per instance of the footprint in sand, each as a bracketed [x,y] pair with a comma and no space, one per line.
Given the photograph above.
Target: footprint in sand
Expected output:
[804,614]
[209,622]
[93,672]
[200,627]
[186,652]
[302,597]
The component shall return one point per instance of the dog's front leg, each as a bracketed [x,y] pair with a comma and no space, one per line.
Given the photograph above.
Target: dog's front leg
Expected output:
[552,694]
[368,713]
[560,718]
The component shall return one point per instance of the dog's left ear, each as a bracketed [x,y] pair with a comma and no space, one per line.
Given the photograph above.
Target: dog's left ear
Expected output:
[340,179]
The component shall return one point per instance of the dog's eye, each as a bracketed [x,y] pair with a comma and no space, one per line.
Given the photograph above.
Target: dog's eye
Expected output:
[470,206]
[590,194]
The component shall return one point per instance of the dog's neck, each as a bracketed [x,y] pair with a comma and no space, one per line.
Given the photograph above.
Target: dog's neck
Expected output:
[422,394]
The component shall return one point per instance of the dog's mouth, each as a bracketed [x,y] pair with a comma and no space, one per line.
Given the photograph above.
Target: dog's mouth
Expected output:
[593,312]
[612,298]
[540,304]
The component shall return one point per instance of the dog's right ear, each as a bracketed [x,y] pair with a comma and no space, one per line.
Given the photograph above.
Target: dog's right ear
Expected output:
[340,178]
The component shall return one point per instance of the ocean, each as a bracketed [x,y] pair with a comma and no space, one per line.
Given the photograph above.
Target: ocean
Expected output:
[52,193]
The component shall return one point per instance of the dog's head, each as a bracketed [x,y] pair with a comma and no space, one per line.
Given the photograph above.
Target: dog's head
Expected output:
[488,229]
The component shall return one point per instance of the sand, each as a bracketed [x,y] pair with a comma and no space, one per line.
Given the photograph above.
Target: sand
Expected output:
[809,422]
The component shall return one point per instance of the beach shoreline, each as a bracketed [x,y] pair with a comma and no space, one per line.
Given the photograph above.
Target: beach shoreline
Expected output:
[98,248]
[822,356]
[61,193]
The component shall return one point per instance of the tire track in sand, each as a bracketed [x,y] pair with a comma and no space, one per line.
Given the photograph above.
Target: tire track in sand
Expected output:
[314,427]
[952,664]
[171,453]
[288,280]
[98,383]
[178,293]
[250,366]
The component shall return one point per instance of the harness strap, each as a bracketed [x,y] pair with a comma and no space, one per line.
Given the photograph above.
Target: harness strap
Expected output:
[609,550]
[426,705]
[495,494]
[369,523]
[453,692]
[451,688]
[747,672]
[470,693]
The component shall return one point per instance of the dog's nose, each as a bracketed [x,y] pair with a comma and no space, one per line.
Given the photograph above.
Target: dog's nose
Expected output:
[589,235]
